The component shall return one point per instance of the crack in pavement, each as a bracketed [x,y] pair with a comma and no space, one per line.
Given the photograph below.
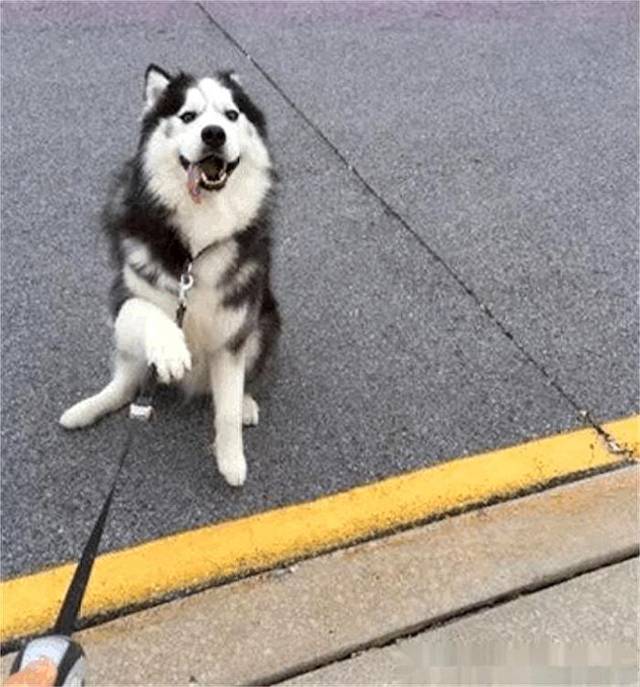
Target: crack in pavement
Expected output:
[610,443]
[585,416]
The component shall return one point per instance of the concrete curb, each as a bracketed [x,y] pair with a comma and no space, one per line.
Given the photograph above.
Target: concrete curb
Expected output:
[283,623]
[161,569]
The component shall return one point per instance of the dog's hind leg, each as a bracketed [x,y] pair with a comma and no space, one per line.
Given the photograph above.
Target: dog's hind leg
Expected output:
[127,376]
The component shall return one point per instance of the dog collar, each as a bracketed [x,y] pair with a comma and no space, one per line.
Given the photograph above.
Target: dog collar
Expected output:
[152,277]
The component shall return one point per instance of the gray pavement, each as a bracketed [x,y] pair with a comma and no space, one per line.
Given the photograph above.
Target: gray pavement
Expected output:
[580,632]
[387,364]
[506,135]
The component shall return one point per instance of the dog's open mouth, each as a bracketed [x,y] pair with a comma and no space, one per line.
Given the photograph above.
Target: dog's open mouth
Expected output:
[211,174]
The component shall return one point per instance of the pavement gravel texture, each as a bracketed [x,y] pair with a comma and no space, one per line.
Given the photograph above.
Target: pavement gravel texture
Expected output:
[387,362]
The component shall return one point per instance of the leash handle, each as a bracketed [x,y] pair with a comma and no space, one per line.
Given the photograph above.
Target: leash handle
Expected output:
[67,656]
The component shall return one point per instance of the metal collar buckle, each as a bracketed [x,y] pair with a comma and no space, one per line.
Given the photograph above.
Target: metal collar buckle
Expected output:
[186,283]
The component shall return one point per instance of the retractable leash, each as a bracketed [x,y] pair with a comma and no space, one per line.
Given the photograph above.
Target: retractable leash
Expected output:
[58,647]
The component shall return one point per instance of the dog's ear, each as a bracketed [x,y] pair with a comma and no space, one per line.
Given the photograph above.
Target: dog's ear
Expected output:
[231,80]
[155,82]
[229,76]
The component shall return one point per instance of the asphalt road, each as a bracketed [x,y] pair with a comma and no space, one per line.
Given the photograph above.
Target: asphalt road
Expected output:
[456,254]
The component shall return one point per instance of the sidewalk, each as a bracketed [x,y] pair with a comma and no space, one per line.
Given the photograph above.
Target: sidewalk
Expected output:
[580,632]
[566,552]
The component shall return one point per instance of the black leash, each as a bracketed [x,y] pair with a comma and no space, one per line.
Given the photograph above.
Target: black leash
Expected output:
[70,609]
[65,624]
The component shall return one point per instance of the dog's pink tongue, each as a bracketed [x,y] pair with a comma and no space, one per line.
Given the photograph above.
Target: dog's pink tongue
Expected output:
[193,182]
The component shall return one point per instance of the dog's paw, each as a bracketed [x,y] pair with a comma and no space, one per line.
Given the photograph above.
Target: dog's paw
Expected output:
[232,466]
[79,415]
[250,411]
[168,351]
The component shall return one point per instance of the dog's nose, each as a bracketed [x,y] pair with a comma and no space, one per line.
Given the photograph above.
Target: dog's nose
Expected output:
[214,136]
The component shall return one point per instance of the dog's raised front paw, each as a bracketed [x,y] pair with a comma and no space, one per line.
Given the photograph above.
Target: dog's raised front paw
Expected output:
[168,351]
[232,466]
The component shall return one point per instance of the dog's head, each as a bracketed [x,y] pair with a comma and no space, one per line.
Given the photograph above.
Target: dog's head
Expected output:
[199,131]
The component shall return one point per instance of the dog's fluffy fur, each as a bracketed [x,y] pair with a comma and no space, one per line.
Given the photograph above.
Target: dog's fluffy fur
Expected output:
[199,188]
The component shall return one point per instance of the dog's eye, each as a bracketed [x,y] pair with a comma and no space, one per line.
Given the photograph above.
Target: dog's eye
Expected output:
[231,115]
[187,117]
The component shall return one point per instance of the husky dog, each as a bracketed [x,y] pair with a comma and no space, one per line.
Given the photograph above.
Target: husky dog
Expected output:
[198,191]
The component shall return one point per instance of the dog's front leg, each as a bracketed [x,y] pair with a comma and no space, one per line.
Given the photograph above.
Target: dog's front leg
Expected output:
[144,334]
[227,386]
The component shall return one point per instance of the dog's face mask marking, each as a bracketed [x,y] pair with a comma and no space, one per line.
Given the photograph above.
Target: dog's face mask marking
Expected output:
[199,127]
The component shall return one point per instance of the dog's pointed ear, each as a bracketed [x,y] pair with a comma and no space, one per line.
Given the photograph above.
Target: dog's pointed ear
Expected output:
[155,82]
[230,76]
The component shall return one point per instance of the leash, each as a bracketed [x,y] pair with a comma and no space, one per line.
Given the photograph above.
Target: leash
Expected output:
[67,655]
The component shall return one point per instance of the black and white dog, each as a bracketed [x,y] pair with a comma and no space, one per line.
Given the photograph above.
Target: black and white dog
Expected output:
[198,190]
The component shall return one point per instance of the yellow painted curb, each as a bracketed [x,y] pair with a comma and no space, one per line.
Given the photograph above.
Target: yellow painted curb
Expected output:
[184,561]
[626,433]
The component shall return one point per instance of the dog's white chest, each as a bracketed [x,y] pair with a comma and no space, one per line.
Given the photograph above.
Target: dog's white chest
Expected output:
[208,323]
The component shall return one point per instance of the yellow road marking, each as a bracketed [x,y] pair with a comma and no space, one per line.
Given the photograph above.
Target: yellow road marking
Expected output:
[191,559]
